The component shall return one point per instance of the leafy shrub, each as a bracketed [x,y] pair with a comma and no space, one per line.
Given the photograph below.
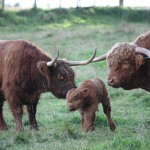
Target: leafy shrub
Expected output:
[90,15]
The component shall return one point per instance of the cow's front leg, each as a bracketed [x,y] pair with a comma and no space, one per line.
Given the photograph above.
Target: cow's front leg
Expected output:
[32,116]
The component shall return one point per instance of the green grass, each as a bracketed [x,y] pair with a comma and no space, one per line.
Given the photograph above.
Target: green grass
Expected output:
[59,129]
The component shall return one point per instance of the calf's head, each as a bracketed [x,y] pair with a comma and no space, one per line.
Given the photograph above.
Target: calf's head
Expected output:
[59,74]
[124,62]
[75,98]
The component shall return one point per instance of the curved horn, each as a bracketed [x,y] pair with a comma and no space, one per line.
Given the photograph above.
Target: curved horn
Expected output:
[100,58]
[85,62]
[142,50]
[50,63]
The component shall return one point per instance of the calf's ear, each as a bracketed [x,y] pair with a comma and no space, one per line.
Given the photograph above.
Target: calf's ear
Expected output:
[43,68]
[139,60]
[84,92]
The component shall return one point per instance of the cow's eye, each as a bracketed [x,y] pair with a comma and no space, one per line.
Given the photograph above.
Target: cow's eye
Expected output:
[76,97]
[116,68]
[126,65]
[60,77]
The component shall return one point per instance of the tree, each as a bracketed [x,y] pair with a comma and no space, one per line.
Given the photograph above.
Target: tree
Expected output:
[120,3]
[17,5]
[3,5]
[78,3]
[94,3]
[59,3]
[35,5]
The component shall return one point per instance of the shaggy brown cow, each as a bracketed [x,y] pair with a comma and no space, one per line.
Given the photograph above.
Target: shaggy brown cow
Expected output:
[26,72]
[86,98]
[128,66]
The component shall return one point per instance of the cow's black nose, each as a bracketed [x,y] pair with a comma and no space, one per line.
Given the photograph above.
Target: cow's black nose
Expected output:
[69,107]
[110,81]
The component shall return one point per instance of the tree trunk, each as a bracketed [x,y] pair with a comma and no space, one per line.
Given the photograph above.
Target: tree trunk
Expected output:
[94,3]
[35,5]
[78,4]
[59,3]
[120,3]
[3,5]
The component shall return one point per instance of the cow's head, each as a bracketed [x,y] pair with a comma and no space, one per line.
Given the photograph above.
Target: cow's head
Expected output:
[59,74]
[75,98]
[124,62]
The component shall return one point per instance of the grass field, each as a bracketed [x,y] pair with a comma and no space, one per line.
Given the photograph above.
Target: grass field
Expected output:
[61,130]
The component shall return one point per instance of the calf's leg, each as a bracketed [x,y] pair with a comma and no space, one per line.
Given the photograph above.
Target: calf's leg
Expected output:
[107,111]
[82,117]
[89,117]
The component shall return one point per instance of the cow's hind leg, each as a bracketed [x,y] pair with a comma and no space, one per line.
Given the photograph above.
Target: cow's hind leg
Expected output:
[32,116]
[107,111]
[3,125]
[17,112]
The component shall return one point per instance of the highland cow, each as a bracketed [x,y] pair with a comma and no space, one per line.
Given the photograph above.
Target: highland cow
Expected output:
[128,65]
[25,72]
[86,98]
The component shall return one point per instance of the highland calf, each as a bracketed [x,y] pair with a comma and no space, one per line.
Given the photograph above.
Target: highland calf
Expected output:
[86,98]
[25,72]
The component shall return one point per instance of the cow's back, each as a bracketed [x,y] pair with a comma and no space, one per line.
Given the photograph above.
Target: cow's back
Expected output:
[96,88]
[18,63]
[100,88]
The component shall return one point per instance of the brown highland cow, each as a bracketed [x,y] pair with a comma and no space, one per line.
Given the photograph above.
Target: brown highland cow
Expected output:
[25,72]
[86,98]
[129,64]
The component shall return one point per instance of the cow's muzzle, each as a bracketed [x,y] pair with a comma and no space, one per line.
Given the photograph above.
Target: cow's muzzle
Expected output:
[113,83]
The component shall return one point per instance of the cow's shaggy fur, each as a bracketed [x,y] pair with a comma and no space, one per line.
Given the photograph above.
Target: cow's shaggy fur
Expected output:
[24,75]
[128,69]
[86,98]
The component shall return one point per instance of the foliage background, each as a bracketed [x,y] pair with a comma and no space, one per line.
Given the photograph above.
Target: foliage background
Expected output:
[76,33]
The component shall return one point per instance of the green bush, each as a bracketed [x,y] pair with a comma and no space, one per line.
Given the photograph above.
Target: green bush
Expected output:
[34,17]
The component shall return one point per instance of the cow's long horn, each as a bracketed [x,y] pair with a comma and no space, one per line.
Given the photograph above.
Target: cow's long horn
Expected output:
[85,62]
[142,50]
[50,63]
[100,58]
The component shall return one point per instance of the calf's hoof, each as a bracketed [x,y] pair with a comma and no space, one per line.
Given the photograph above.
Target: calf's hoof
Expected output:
[92,129]
[89,129]
[19,129]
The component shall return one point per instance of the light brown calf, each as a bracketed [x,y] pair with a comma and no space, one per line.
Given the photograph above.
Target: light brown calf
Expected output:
[86,98]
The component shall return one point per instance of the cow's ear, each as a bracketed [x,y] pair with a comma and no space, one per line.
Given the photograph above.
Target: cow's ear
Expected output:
[139,60]
[43,68]
[84,92]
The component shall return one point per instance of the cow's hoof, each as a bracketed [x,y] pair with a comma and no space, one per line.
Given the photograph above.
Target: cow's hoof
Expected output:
[3,128]
[111,125]
[34,127]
